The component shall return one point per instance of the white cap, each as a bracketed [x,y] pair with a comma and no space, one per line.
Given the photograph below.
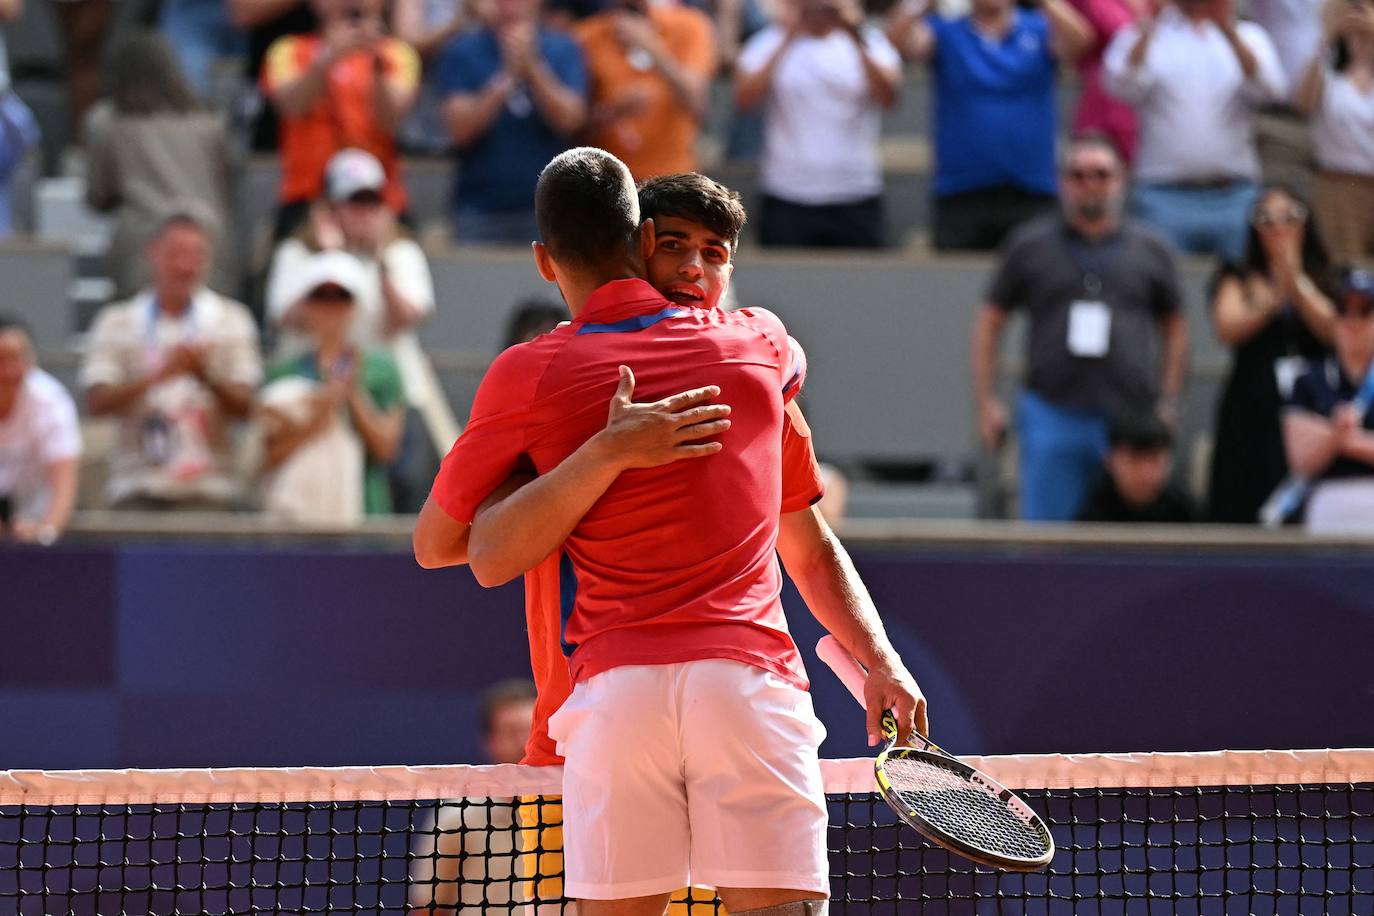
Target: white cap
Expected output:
[351,171]
[336,268]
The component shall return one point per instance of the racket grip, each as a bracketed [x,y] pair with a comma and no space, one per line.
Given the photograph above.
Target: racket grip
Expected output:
[845,666]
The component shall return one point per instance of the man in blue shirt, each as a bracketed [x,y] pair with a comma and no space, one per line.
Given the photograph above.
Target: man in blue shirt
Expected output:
[514,96]
[994,75]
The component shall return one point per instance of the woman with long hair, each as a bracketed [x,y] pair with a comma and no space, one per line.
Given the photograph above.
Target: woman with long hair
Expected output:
[1337,92]
[152,146]
[1274,313]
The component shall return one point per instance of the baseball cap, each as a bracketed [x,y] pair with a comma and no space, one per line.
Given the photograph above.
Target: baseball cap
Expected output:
[329,268]
[352,171]
[1357,291]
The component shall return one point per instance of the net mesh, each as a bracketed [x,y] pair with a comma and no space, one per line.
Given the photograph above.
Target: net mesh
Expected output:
[944,798]
[1212,835]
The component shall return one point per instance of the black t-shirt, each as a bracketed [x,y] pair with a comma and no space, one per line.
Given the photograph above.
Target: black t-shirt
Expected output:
[1321,390]
[1106,505]
[1047,267]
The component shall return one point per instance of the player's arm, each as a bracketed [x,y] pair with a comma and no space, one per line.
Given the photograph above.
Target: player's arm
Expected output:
[825,575]
[513,531]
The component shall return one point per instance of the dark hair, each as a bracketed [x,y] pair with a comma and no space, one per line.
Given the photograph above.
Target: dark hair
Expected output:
[693,196]
[10,322]
[143,77]
[1140,432]
[532,317]
[501,694]
[1316,263]
[587,208]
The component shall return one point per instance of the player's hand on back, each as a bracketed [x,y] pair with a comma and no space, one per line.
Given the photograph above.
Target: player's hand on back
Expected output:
[891,686]
[655,433]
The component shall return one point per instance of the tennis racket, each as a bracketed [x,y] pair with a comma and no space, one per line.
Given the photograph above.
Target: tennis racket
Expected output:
[944,799]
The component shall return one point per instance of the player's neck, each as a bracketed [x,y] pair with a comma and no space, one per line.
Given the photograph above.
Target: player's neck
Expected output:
[577,291]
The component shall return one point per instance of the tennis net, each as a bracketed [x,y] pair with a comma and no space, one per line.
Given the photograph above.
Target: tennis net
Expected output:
[1215,834]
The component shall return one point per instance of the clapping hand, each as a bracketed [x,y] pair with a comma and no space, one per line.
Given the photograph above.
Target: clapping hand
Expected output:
[518,50]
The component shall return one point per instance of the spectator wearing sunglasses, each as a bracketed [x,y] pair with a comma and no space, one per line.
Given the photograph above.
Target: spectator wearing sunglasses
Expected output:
[1337,90]
[1328,426]
[395,294]
[1272,312]
[1107,335]
[1195,77]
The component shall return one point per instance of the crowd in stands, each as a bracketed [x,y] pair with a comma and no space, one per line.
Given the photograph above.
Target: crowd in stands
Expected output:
[1188,116]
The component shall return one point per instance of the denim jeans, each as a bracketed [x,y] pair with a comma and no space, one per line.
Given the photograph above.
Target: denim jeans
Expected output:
[200,33]
[1199,220]
[1062,450]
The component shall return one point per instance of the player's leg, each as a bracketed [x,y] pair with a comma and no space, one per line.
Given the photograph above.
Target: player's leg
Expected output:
[625,828]
[750,745]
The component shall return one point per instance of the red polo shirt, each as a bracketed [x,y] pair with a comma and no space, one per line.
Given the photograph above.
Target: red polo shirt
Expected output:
[675,563]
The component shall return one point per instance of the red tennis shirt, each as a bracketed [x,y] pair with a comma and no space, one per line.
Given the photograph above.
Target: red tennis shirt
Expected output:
[674,563]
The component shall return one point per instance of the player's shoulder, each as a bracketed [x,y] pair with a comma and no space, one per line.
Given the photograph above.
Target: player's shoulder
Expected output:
[523,363]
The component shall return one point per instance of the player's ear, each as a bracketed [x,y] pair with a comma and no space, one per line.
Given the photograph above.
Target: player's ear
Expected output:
[544,262]
[648,239]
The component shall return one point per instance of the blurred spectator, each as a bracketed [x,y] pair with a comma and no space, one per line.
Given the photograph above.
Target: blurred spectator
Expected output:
[650,66]
[1137,483]
[1107,333]
[84,25]
[175,364]
[151,141]
[834,504]
[264,21]
[1338,92]
[531,318]
[1272,313]
[1328,427]
[994,76]
[395,295]
[476,843]
[40,442]
[202,34]
[823,80]
[737,21]
[513,98]
[1282,137]
[18,127]
[346,85]
[1098,111]
[428,26]
[1195,76]
[334,413]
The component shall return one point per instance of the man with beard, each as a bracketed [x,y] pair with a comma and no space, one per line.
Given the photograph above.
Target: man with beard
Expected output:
[1107,333]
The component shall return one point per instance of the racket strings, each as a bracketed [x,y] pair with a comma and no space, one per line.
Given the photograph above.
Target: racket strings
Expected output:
[948,802]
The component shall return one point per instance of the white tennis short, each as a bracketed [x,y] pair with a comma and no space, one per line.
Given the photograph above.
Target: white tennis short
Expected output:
[699,773]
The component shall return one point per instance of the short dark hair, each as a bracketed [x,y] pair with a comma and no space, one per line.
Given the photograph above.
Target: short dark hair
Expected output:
[693,196]
[502,694]
[587,208]
[9,322]
[531,317]
[1140,432]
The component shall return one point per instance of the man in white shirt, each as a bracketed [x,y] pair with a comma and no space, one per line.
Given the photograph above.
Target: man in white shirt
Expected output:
[176,364]
[823,80]
[1195,77]
[40,442]
[1281,133]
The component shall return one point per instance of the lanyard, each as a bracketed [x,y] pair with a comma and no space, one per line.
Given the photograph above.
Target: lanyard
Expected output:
[152,350]
[1094,262]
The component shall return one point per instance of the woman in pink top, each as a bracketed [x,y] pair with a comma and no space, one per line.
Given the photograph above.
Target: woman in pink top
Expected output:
[1099,111]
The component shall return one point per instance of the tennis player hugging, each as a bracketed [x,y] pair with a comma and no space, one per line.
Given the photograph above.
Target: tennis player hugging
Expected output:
[643,466]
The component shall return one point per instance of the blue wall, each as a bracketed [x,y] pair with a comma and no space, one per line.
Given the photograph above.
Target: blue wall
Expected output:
[211,655]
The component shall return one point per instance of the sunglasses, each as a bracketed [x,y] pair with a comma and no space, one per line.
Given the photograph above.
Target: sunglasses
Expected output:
[1359,309]
[1290,217]
[1082,175]
[366,199]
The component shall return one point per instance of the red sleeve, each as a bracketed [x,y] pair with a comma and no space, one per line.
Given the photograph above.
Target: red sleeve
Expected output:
[489,449]
[802,485]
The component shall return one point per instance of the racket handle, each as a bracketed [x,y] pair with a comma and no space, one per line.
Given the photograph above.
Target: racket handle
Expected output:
[845,666]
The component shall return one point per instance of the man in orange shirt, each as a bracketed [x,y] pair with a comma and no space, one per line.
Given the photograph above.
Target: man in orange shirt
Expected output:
[650,66]
[346,85]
